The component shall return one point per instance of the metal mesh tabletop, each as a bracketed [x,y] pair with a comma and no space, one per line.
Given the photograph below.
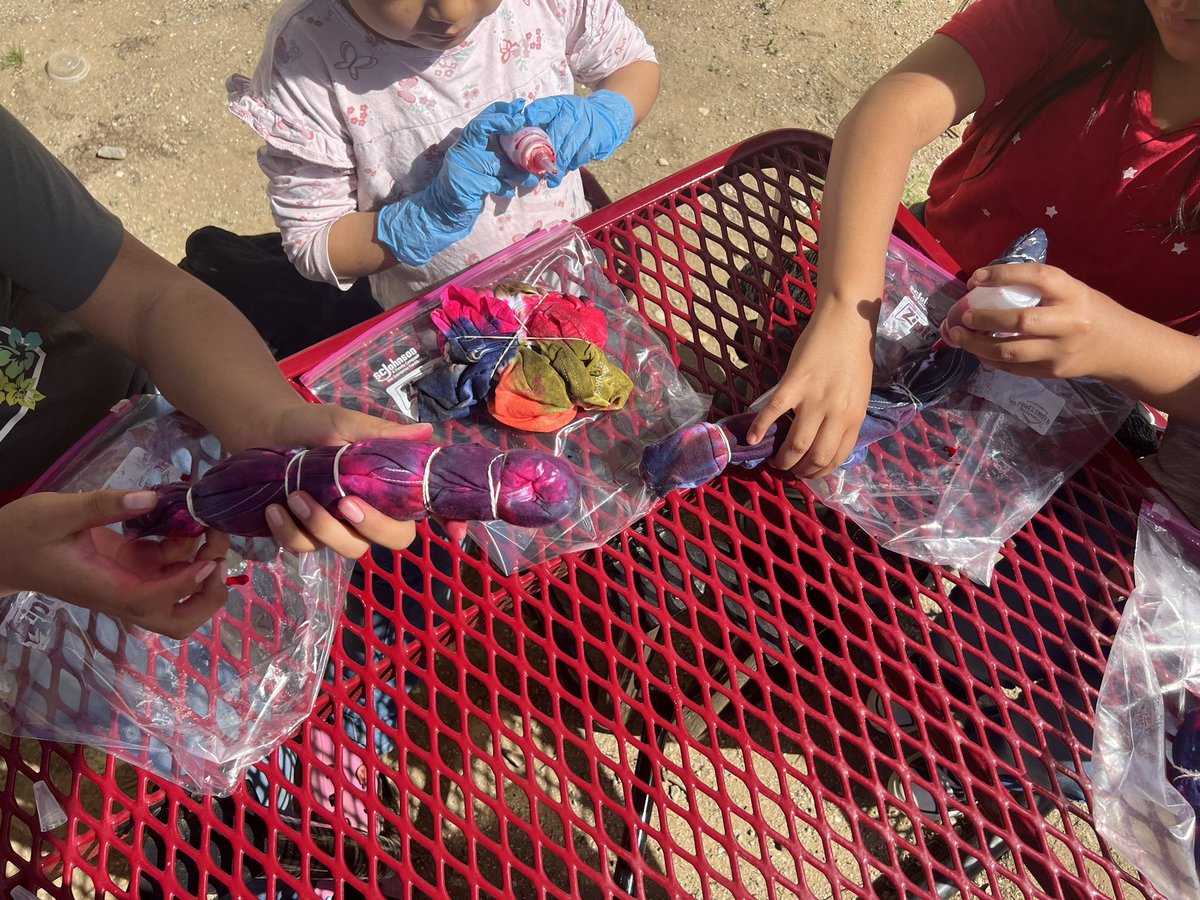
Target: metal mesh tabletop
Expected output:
[740,696]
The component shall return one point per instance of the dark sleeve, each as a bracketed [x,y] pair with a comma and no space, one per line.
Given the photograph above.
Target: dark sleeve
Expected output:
[56,240]
[1010,41]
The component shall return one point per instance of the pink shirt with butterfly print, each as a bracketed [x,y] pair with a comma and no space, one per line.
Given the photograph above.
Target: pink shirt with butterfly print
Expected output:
[352,120]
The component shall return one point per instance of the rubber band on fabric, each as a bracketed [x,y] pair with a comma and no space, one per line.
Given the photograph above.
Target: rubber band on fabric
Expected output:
[337,475]
[287,473]
[192,510]
[725,439]
[494,486]
[425,477]
[912,398]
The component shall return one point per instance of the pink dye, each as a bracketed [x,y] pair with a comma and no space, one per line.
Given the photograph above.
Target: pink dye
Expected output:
[530,149]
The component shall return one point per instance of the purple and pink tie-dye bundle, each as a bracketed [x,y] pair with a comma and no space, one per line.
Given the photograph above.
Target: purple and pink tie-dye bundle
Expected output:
[402,479]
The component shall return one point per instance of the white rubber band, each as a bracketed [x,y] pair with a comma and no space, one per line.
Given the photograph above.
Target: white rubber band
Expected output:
[912,398]
[512,339]
[425,478]
[725,437]
[192,510]
[287,473]
[494,486]
[337,475]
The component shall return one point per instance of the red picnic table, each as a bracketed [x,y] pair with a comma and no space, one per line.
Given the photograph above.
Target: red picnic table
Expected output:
[742,695]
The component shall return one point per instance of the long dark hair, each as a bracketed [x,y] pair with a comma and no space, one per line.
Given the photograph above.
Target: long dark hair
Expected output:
[1125,27]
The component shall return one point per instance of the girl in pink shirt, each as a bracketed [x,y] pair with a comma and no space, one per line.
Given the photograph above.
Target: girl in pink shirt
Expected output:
[379,118]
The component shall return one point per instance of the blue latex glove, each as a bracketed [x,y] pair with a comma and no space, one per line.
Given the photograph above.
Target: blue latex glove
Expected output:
[582,129]
[423,224]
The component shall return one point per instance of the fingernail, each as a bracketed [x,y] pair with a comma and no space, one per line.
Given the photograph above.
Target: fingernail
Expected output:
[275,515]
[352,511]
[222,571]
[204,571]
[138,501]
[299,506]
[968,319]
[981,275]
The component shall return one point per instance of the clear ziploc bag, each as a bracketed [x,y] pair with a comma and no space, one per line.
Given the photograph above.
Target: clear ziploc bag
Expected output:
[969,472]
[196,712]
[377,374]
[1151,683]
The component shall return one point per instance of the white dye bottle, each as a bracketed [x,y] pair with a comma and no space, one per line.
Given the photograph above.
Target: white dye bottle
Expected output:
[1030,247]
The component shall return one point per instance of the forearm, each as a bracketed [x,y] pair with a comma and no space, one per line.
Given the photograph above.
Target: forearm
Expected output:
[638,83]
[354,246]
[202,353]
[316,208]
[872,152]
[1155,364]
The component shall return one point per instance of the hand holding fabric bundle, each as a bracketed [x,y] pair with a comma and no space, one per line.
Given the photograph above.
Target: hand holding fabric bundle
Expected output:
[695,455]
[402,479]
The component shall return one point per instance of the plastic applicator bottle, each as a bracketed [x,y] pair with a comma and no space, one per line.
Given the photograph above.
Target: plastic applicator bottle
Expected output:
[1029,248]
[530,149]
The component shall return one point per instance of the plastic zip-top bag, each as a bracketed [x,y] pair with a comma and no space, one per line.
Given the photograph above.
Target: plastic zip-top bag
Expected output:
[379,372]
[1146,746]
[197,712]
[953,485]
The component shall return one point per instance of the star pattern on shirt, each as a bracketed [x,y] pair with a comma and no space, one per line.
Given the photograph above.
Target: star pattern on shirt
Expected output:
[1179,248]
[1016,138]
[1051,211]
[1129,173]
[987,213]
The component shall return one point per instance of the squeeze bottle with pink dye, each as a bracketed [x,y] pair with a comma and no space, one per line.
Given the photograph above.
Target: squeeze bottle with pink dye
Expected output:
[530,149]
[1028,248]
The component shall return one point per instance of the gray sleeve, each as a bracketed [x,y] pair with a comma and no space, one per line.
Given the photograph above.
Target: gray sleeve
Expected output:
[56,240]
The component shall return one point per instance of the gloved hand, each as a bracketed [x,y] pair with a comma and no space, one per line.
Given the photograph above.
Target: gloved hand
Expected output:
[420,226]
[582,129]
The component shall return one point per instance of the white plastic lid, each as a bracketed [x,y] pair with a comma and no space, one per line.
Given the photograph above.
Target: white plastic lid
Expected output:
[67,66]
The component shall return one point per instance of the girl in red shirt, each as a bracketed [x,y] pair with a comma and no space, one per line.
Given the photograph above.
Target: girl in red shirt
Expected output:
[1087,123]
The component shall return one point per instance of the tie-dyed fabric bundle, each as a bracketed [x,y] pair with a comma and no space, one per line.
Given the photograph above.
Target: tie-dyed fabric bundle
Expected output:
[699,453]
[402,479]
[535,357]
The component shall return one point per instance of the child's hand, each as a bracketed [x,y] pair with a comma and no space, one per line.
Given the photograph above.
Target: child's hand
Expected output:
[420,226]
[310,527]
[827,385]
[58,544]
[582,129]
[1075,331]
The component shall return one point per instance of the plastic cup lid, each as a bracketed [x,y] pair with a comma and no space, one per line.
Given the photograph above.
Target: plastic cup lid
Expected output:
[67,65]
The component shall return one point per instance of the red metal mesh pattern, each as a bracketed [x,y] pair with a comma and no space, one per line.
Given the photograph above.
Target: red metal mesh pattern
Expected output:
[733,698]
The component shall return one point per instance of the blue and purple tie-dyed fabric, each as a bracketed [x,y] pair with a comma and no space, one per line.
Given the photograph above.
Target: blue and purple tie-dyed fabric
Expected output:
[473,357]
[695,455]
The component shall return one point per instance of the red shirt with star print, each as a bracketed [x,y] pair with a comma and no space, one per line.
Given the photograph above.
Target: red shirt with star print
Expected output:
[1092,168]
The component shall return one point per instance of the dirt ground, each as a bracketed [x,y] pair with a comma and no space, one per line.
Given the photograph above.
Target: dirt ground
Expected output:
[156,88]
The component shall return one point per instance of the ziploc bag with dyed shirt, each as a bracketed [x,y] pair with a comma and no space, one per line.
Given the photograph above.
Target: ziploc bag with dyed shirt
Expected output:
[197,712]
[968,472]
[378,372]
